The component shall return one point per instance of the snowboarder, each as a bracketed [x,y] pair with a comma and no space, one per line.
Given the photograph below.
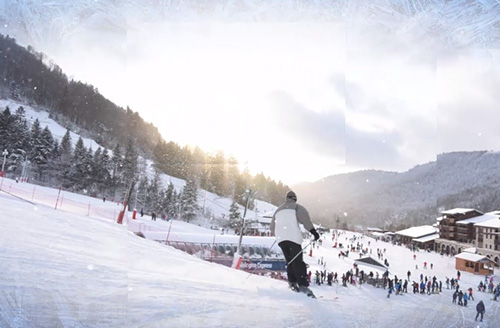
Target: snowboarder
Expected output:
[480,310]
[285,226]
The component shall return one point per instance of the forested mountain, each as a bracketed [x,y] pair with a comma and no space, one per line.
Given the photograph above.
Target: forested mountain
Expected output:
[28,77]
[377,198]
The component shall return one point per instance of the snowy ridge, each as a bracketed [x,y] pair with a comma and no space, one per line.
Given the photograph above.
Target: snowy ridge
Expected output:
[457,179]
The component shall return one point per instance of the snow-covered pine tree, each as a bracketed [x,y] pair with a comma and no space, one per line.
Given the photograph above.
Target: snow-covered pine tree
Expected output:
[46,150]
[41,147]
[87,172]
[169,201]
[189,200]
[105,163]
[153,199]
[141,194]
[63,163]
[234,216]
[18,141]
[77,171]
[217,174]
[117,164]
[130,161]
[105,168]
[129,175]
[97,172]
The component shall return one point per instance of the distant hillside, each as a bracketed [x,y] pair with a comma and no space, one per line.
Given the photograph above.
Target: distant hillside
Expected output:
[26,76]
[377,198]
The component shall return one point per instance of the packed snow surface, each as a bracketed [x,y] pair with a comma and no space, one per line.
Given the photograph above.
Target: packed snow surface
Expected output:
[65,269]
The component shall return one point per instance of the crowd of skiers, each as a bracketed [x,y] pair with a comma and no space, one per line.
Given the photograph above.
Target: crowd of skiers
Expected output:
[427,284]
[430,286]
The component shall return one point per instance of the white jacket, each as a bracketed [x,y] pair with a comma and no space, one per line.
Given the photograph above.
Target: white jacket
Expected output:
[286,219]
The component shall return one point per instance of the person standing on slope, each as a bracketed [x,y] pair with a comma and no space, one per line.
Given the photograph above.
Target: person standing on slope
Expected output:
[285,227]
[480,308]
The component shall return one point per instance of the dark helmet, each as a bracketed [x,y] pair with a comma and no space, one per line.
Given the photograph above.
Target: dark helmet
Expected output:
[291,195]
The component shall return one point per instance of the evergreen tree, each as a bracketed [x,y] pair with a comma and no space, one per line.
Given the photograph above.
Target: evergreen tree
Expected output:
[106,169]
[176,204]
[199,167]
[231,174]
[19,140]
[153,199]
[169,201]
[189,205]
[117,165]
[64,161]
[78,162]
[6,120]
[87,173]
[217,174]
[42,144]
[130,161]
[142,194]
[97,172]
[235,219]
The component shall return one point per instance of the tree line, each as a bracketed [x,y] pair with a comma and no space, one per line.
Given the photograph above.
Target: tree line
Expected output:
[32,153]
[120,173]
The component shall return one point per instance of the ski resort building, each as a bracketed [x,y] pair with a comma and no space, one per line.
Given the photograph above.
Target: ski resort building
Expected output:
[474,263]
[422,236]
[461,228]
[448,227]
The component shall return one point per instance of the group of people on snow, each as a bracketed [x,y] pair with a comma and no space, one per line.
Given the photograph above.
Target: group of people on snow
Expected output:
[285,227]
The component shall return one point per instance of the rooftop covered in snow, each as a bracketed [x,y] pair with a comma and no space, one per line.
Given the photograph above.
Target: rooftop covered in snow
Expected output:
[472,257]
[478,219]
[458,210]
[426,238]
[491,223]
[418,232]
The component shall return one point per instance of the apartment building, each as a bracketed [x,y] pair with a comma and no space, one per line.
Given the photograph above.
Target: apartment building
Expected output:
[448,228]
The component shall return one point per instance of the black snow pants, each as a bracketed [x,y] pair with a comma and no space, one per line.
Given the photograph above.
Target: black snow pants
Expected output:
[296,271]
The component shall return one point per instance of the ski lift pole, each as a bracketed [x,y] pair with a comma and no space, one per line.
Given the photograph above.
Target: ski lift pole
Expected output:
[237,255]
